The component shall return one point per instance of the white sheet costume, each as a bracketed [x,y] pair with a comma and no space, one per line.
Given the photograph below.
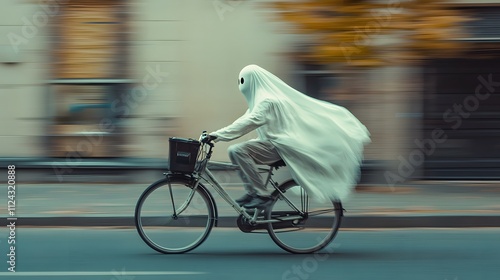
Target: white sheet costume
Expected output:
[321,143]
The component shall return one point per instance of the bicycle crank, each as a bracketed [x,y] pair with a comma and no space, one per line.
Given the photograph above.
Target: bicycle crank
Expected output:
[245,226]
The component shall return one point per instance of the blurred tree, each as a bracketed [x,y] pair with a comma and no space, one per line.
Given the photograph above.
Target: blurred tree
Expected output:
[370,33]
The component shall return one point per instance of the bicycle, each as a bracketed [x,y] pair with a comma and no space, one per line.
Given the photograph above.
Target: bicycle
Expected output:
[168,207]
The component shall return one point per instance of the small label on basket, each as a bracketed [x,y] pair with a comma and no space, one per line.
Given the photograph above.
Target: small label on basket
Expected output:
[183,157]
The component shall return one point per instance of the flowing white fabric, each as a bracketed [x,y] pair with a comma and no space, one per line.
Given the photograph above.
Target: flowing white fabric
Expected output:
[321,143]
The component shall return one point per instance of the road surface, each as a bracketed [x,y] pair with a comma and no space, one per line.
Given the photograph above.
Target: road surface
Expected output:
[119,254]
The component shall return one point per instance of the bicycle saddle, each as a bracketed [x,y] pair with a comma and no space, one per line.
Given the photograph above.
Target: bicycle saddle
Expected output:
[279,163]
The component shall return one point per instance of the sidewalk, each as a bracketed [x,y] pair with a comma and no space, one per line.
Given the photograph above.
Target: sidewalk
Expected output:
[423,204]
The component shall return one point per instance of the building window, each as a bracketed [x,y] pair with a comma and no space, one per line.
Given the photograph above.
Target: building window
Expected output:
[88,73]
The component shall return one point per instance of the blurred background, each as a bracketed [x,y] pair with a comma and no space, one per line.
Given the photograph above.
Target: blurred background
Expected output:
[93,87]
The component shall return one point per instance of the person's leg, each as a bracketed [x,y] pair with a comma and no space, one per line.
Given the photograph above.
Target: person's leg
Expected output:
[248,155]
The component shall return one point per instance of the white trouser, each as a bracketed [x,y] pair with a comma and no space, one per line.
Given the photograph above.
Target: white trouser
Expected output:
[248,155]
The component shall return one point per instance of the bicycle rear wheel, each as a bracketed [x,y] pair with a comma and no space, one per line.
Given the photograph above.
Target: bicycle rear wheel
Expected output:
[309,232]
[172,217]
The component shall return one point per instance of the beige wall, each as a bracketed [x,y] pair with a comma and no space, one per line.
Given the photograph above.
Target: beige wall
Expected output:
[22,114]
[202,50]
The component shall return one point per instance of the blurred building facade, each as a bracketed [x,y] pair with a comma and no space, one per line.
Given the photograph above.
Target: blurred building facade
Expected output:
[114,79]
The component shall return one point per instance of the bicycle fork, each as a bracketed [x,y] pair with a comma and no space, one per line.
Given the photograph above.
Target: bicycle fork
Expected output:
[186,203]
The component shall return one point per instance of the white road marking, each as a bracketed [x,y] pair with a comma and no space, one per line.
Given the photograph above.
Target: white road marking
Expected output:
[98,273]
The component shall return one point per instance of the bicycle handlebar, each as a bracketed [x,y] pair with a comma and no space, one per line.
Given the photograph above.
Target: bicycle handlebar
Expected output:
[207,138]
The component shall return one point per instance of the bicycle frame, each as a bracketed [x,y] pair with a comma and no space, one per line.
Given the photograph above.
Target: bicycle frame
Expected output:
[202,172]
[281,217]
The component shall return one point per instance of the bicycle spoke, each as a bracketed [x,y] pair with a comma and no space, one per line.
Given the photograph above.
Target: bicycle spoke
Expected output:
[310,231]
[169,229]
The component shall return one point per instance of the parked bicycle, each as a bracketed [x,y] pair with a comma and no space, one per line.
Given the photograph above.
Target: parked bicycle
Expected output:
[177,213]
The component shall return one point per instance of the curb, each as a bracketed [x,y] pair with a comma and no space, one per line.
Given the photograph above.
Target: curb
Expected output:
[448,221]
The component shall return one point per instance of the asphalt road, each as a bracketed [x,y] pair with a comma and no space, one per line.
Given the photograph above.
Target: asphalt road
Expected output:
[119,254]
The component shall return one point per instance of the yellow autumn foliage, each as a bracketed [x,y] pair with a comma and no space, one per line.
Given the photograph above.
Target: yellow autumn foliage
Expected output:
[348,30]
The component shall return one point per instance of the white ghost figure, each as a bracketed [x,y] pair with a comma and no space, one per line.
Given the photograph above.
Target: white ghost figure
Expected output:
[321,143]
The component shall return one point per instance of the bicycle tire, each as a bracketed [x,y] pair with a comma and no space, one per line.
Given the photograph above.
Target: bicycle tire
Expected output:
[324,229]
[167,233]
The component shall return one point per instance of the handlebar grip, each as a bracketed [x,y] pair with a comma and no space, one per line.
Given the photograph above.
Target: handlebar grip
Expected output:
[206,138]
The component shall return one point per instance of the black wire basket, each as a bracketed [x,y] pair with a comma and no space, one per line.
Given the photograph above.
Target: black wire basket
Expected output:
[183,154]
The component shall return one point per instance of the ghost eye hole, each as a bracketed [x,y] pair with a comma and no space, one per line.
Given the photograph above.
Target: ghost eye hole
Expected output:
[241,81]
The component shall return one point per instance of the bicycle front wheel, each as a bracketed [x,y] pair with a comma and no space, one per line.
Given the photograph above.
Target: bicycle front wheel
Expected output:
[307,225]
[172,217]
